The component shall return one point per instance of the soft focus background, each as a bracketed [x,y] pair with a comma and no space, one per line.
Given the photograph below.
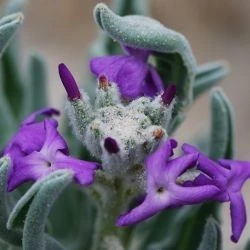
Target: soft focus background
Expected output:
[63,31]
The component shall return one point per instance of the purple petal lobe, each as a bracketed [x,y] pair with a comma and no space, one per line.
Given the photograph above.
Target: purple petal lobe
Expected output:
[141,54]
[111,145]
[152,83]
[169,94]
[69,82]
[238,215]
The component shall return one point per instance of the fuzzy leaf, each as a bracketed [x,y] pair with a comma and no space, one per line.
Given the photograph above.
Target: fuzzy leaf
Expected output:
[222,128]
[211,239]
[8,27]
[10,69]
[208,75]
[34,225]
[173,52]
[13,237]
[25,200]
[38,80]
[7,121]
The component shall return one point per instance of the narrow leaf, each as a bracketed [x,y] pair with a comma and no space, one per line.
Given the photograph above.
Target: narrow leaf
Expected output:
[211,239]
[208,75]
[33,233]
[25,200]
[13,237]
[37,83]
[222,128]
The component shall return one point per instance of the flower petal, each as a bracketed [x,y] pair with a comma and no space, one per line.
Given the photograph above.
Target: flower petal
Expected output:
[238,215]
[149,207]
[153,84]
[84,171]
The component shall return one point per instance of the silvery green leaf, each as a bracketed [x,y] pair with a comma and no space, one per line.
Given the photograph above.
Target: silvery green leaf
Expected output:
[208,75]
[13,6]
[37,82]
[222,128]
[145,237]
[172,50]
[211,239]
[34,225]
[7,120]
[8,27]
[13,237]
[26,199]
[10,69]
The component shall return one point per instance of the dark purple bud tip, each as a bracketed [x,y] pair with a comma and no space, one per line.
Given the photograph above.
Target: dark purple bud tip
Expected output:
[69,82]
[103,82]
[168,94]
[111,145]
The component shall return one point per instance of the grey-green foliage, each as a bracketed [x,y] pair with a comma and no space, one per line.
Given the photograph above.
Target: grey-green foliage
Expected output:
[247,247]
[33,208]
[8,27]
[37,82]
[222,128]
[12,237]
[34,225]
[211,239]
[208,75]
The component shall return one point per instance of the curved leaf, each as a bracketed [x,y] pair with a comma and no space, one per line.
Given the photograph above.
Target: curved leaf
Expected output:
[12,237]
[208,75]
[34,225]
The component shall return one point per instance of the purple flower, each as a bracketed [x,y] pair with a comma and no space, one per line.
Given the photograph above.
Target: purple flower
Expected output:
[229,176]
[132,73]
[162,189]
[38,149]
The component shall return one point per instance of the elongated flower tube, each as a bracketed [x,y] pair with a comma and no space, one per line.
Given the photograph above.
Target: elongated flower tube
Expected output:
[229,176]
[163,190]
[132,73]
[38,149]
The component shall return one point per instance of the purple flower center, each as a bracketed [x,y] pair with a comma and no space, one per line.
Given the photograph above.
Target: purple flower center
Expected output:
[111,145]
[69,82]
[169,94]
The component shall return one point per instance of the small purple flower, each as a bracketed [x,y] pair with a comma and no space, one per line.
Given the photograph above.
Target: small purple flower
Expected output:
[38,149]
[132,73]
[229,176]
[162,189]
[168,94]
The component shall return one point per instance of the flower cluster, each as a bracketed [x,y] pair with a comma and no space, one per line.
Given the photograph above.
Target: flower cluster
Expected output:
[127,127]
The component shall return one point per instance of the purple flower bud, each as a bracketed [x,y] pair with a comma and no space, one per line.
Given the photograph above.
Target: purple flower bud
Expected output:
[168,94]
[69,82]
[111,145]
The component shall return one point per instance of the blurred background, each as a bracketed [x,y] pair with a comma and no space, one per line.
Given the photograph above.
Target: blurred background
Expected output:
[64,30]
